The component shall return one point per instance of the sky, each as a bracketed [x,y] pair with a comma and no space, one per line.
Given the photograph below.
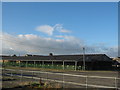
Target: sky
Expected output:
[61,27]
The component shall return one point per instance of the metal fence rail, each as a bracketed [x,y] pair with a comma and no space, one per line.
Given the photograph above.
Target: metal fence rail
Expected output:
[34,75]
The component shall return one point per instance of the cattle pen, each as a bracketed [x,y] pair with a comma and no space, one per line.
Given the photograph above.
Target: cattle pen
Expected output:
[74,62]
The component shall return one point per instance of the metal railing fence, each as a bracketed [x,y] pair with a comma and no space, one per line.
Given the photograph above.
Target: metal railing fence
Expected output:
[89,81]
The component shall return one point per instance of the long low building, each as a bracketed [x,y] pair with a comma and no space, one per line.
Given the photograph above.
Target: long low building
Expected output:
[91,61]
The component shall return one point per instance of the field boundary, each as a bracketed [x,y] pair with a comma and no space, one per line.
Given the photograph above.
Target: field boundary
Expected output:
[63,74]
[64,82]
[87,85]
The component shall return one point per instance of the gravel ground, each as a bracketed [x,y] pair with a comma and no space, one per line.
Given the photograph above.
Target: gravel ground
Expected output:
[16,83]
[12,82]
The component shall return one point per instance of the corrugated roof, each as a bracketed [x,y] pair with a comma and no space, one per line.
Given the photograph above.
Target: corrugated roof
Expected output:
[88,57]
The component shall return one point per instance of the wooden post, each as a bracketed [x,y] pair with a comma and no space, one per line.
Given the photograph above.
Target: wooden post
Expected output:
[3,64]
[116,83]
[52,62]
[19,63]
[86,81]
[63,65]
[39,63]
[21,75]
[42,63]
[26,63]
[34,64]
[75,65]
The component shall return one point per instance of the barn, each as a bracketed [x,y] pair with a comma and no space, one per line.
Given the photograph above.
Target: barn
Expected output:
[116,64]
[90,61]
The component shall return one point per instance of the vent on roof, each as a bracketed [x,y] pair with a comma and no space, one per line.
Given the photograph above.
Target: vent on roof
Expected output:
[28,55]
[50,54]
[14,55]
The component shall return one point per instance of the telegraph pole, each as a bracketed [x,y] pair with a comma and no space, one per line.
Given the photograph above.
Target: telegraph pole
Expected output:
[83,58]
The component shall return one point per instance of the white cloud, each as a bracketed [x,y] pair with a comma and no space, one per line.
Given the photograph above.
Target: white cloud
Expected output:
[60,28]
[59,36]
[45,29]
[65,31]
[34,44]
[71,38]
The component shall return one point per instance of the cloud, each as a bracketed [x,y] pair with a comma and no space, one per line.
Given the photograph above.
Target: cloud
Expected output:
[45,29]
[71,38]
[65,31]
[34,44]
[29,43]
[60,28]
[59,36]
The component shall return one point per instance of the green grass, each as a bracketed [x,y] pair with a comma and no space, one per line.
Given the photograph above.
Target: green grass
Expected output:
[47,66]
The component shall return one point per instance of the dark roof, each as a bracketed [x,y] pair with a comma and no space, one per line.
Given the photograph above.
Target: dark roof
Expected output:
[117,62]
[88,57]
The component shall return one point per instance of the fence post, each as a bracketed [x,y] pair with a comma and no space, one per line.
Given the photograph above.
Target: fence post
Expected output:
[32,74]
[75,65]
[34,64]
[116,83]
[19,63]
[52,62]
[42,64]
[21,76]
[63,80]
[86,81]
[47,76]
[40,77]
[3,63]
[11,73]
[26,63]
[63,65]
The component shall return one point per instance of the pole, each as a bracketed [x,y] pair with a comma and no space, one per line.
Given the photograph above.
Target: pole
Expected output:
[34,64]
[21,76]
[116,83]
[52,62]
[26,63]
[19,64]
[86,81]
[83,58]
[42,64]
[3,63]
[75,65]
[63,64]
[52,65]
